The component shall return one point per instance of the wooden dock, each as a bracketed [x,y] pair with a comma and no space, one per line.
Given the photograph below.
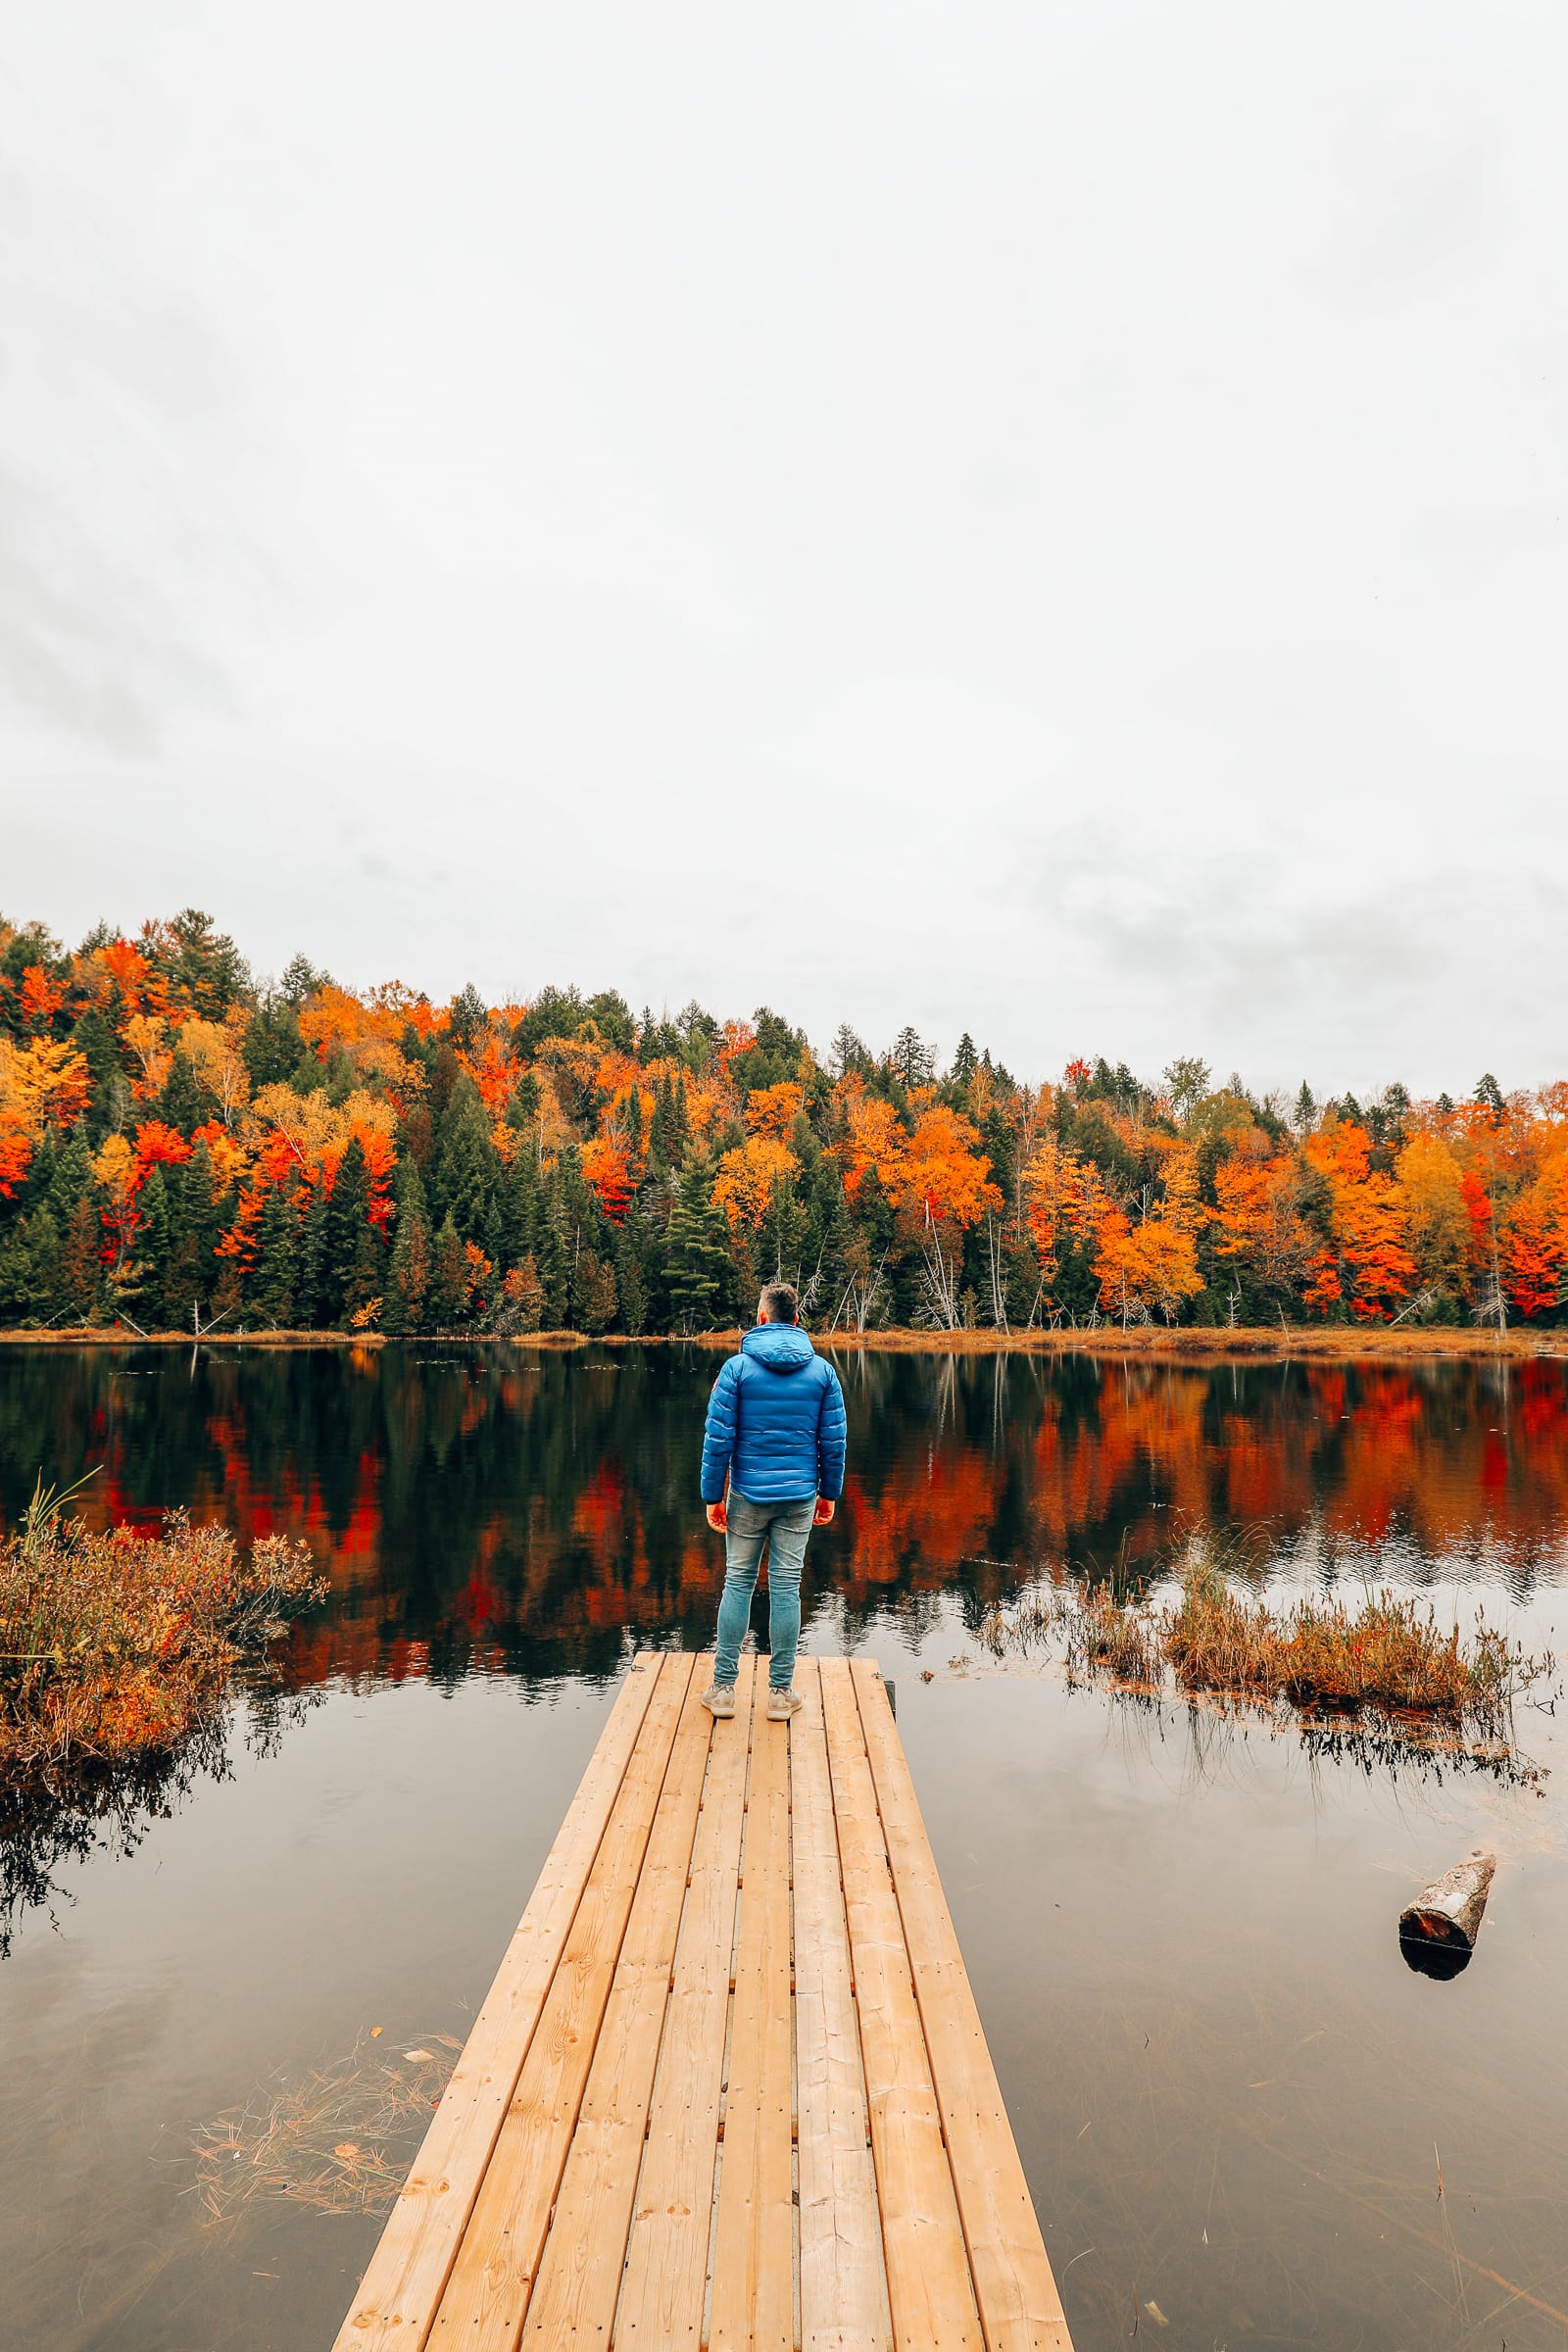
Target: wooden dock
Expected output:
[729,2087]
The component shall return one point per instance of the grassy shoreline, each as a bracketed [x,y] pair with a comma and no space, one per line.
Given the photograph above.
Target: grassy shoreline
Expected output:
[1190,1343]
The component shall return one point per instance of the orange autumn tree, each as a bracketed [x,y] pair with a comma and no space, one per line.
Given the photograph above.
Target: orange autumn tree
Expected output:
[945,1184]
[1147,1264]
[749,1179]
[1062,1195]
[1365,1265]
[772,1110]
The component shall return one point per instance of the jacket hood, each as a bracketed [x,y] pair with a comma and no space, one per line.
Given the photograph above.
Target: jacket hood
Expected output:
[781,1347]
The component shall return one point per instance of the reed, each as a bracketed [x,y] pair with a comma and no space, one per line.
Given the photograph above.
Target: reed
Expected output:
[1387,1656]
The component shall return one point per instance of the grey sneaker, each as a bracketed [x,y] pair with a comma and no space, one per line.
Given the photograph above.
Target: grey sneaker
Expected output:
[719,1700]
[781,1705]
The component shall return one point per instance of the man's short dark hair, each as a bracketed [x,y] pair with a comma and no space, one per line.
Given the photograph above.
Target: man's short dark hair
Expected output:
[781,1302]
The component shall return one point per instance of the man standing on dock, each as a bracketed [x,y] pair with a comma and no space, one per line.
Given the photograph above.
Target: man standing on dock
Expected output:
[776,1431]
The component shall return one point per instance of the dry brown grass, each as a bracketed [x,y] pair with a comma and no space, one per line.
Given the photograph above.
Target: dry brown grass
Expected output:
[339,2141]
[1388,1657]
[115,1646]
[1107,1635]
[1388,1654]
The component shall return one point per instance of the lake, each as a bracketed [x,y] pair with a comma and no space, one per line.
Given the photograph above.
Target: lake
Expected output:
[1234,2100]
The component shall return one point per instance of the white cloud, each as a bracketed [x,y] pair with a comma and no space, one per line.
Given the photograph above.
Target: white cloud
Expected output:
[1038,521]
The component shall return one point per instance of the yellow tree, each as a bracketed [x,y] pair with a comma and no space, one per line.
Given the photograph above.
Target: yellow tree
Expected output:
[215,1052]
[1434,1221]
[748,1179]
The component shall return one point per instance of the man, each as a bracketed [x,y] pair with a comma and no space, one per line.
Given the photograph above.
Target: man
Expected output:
[775,1430]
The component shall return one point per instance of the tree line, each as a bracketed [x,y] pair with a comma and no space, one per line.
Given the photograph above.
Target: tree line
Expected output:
[182,1147]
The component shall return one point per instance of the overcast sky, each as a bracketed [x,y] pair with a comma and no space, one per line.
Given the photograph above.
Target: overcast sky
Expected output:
[1046,520]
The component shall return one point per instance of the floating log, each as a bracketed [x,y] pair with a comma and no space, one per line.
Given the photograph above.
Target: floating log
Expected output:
[1447,1915]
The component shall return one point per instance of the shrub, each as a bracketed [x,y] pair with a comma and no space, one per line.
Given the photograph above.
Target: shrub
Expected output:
[115,1645]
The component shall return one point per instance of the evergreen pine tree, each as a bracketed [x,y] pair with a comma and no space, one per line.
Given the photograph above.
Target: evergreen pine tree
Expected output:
[629,1275]
[594,1297]
[658,1128]
[183,1104]
[94,1038]
[79,1270]
[519,1207]
[700,1271]
[466,1180]
[69,1177]
[153,1248]
[270,1289]
[346,1212]
[189,1267]
[365,1291]
[553,1267]
[30,1270]
[409,1269]
[272,1045]
[965,1061]
[309,1289]
[448,1292]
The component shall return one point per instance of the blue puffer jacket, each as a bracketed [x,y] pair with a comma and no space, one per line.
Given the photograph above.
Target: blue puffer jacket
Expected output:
[776,1421]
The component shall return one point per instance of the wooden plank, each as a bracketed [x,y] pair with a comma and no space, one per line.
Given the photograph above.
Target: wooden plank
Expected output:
[927,2262]
[579,2277]
[398,2296]
[666,2254]
[844,2303]
[754,2246]
[486,2297]
[1021,2310]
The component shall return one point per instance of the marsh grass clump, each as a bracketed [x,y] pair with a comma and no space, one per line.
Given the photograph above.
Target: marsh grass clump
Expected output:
[116,1646]
[1324,1657]
[1389,1657]
[1113,1637]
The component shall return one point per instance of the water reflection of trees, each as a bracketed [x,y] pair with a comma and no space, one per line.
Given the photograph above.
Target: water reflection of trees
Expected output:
[529,1510]
[49,1823]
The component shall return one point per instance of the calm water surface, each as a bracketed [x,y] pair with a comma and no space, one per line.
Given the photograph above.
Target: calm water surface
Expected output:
[1231,2095]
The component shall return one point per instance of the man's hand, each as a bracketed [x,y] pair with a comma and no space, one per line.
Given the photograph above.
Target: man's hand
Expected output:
[823,1512]
[717,1517]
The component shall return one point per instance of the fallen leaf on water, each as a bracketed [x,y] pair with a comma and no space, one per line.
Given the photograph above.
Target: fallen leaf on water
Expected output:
[375,2030]
[1156,2315]
[346,2151]
[418,2057]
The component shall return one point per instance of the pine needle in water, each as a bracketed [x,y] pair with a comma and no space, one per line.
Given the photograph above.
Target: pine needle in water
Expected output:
[339,2141]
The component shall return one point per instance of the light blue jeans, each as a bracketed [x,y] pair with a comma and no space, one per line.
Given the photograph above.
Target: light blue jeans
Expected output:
[784,1527]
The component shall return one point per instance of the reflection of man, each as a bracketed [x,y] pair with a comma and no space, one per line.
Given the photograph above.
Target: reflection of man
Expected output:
[775,1429]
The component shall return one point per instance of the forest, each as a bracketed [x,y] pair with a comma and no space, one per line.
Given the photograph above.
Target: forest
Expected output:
[185,1147]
